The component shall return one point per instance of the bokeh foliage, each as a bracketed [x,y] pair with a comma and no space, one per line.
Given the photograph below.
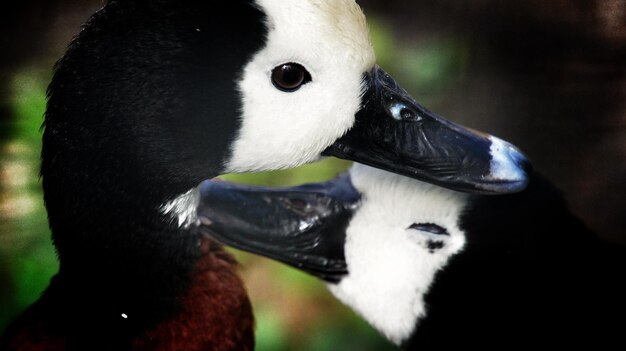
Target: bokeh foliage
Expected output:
[27,259]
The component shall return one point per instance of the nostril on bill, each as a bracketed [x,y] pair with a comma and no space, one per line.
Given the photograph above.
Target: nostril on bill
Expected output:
[401,112]
[298,204]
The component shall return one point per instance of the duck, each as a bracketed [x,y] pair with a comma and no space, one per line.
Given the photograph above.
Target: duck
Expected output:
[432,267]
[153,97]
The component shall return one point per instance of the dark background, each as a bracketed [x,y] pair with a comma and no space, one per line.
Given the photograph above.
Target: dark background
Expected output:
[549,76]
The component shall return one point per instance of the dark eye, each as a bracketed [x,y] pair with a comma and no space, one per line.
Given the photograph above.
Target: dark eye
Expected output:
[290,77]
[430,228]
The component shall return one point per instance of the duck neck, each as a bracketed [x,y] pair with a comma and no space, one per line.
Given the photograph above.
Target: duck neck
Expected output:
[125,253]
[129,268]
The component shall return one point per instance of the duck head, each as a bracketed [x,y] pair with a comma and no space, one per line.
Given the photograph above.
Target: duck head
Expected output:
[314,89]
[377,239]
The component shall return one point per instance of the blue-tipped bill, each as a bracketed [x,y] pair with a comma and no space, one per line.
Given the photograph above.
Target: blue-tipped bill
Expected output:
[395,133]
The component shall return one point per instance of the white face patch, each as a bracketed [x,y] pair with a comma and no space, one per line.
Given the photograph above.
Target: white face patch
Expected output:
[183,209]
[287,129]
[391,266]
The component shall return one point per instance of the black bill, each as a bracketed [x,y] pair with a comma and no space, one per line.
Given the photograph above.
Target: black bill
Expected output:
[395,133]
[302,226]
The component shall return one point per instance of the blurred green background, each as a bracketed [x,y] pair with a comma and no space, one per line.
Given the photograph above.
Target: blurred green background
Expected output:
[546,75]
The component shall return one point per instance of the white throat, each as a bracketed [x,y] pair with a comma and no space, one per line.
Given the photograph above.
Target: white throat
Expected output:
[391,267]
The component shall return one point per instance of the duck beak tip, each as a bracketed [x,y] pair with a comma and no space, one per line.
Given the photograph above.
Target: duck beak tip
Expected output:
[510,169]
